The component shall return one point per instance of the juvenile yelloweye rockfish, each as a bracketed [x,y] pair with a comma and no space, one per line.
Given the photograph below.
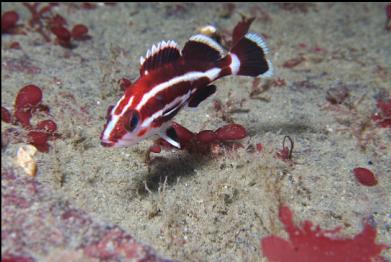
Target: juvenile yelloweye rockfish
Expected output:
[170,80]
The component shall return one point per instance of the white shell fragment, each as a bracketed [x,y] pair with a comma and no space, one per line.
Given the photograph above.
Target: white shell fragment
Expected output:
[24,159]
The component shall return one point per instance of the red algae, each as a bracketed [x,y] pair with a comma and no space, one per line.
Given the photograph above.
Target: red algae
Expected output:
[383,116]
[309,243]
[79,32]
[63,35]
[23,117]
[283,153]
[231,132]
[206,136]
[5,115]
[8,21]
[39,140]
[203,142]
[365,176]
[45,21]
[48,126]
[293,62]
[28,101]
[259,147]
[28,97]
[57,21]
[183,133]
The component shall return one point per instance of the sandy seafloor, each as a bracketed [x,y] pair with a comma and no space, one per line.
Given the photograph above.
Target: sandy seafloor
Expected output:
[218,208]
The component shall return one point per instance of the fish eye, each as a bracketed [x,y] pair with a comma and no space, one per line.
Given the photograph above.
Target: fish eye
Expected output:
[131,119]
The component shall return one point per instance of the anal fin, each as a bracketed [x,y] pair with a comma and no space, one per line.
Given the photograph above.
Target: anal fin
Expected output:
[200,95]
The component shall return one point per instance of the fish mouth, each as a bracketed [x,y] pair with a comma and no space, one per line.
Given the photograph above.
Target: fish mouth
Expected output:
[115,142]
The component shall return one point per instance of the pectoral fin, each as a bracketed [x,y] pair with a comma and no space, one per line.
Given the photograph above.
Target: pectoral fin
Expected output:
[200,95]
[171,137]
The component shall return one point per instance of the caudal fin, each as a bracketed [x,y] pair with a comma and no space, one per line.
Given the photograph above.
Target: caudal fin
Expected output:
[248,57]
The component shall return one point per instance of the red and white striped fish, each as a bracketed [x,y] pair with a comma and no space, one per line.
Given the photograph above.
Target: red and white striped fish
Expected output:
[170,80]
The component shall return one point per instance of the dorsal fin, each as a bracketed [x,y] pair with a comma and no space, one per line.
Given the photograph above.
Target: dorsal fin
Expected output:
[163,53]
[202,47]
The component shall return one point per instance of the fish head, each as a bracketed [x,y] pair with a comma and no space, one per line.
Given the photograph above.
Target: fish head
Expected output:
[124,126]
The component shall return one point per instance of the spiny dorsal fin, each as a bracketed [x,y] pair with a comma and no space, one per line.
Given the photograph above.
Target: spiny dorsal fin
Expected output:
[163,53]
[202,47]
